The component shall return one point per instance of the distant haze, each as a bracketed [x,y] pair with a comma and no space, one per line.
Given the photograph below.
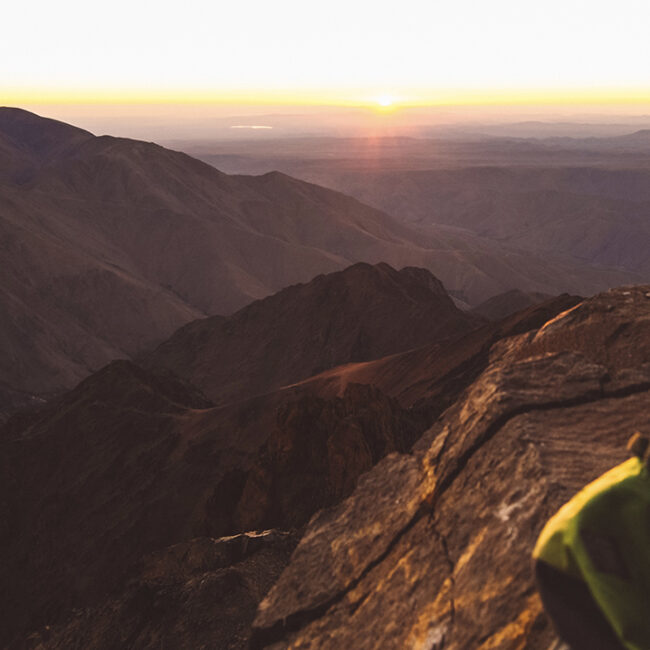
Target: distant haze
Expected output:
[227,121]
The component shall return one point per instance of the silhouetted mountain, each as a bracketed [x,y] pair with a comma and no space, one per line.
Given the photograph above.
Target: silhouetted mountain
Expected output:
[362,313]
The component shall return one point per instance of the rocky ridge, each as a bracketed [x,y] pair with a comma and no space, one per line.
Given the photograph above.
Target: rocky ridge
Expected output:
[433,548]
[118,496]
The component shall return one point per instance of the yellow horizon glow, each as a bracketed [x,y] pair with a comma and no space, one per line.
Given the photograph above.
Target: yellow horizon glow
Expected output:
[334,98]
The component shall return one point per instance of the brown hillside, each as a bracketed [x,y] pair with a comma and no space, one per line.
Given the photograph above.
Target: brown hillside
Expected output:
[109,245]
[362,313]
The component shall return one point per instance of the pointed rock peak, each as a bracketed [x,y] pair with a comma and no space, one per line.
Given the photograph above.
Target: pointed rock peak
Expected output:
[363,312]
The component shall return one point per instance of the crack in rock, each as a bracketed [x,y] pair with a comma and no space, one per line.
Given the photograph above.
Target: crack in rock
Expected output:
[273,624]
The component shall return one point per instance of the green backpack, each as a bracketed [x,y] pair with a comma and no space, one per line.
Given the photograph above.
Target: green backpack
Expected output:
[602,537]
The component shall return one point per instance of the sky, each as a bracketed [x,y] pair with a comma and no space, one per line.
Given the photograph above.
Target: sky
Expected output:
[377,54]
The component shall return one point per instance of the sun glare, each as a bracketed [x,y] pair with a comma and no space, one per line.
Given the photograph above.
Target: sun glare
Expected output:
[385,101]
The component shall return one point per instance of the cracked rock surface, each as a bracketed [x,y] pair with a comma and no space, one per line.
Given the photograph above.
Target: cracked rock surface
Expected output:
[432,550]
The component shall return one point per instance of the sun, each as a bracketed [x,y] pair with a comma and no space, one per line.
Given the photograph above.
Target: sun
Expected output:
[385,101]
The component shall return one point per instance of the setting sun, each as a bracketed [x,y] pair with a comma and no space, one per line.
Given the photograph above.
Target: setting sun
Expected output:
[385,101]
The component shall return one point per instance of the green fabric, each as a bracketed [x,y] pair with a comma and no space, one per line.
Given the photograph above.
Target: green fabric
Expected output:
[602,536]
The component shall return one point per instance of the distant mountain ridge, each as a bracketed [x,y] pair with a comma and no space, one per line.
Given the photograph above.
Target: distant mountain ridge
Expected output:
[595,215]
[363,312]
[638,141]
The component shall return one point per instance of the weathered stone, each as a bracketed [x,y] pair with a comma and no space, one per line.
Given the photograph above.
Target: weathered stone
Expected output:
[342,543]
[456,572]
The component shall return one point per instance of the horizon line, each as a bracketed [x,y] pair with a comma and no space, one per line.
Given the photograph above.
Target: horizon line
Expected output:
[400,99]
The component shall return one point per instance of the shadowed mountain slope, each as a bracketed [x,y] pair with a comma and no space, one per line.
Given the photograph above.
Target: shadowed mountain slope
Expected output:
[362,313]
[202,593]
[131,462]
[431,378]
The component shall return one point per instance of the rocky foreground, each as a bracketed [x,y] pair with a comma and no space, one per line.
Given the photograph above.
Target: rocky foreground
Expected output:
[430,550]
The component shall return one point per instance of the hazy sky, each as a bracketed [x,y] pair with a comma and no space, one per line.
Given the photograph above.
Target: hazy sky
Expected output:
[340,51]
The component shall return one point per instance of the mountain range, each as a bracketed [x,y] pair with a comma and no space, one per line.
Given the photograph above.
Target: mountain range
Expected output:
[578,199]
[243,411]
[594,214]
[108,245]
